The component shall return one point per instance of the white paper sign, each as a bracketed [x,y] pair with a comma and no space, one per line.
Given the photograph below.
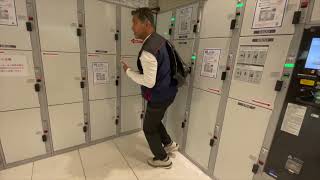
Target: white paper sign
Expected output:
[13,65]
[8,13]
[210,63]
[293,119]
[100,73]
[269,13]
[185,20]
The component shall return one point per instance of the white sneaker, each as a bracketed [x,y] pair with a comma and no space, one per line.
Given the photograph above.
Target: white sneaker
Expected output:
[167,163]
[171,147]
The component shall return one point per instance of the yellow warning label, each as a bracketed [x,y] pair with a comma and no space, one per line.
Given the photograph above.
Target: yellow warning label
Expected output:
[307,82]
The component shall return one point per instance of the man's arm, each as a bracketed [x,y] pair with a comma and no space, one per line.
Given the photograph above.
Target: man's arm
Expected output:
[150,66]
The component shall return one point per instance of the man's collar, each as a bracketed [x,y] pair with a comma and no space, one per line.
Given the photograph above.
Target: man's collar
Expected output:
[147,38]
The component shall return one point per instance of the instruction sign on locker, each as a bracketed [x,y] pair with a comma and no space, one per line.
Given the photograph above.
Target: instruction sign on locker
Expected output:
[186,21]
[258,67]
[13,30]
[18,81]
[211,63]
[101,76]
[269,17]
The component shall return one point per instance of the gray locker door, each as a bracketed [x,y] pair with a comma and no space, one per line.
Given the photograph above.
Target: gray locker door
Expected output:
[256,20]
[102,118]
[128,86]
[14,34]
[67,125]
[186,18]
[207,79]
[63,77]
[131,109]
[20,134]
[101,80]
[164,24]
[315,17]
[265,70]
[184,48]
[17,88]
[176,115]
[129,46]
[58,23]
[100,26]
[216,18]
[242,136]
[203,113]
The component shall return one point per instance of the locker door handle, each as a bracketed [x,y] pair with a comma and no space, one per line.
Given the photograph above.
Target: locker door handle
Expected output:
[44,138]
[255,168]
[183,125]
[82,84]
[29,26]
[117,82]
[233,24]
[116,36]
[85,129]
[79,32]
[37,87]
[223,75]
[195,28]
[212,141]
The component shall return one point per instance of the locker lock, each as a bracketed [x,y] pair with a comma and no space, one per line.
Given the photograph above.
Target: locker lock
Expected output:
[223,75]
[44,138]
[255,168]
[29,26]
[82,84]
[37,86]
[85,129]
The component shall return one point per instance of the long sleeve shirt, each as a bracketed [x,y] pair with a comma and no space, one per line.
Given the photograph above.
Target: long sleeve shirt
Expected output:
[149,65]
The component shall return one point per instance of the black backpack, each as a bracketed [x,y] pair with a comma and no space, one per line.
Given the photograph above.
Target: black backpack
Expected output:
[179,69]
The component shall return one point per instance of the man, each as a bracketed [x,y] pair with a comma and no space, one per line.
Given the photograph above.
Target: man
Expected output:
[157,86]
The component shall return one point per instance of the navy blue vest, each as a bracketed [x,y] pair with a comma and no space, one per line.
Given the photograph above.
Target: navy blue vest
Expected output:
[165,87]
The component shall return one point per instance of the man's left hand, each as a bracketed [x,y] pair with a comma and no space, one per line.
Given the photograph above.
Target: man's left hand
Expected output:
[125,66]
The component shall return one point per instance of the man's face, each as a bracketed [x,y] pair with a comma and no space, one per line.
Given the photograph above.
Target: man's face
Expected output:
[138,27]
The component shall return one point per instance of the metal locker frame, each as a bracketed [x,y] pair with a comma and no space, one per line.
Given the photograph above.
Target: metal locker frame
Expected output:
[225,89]
[34,41]
[280,98]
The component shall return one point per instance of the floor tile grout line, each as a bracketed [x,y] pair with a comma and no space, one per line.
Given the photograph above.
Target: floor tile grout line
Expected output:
[125,160]
[84,173]
[32,170]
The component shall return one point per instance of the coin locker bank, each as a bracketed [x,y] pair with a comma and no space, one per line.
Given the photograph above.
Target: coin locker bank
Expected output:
[249,108]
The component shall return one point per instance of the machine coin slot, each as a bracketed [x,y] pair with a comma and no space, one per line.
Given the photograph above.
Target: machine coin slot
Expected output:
[85,129]
[82,84]
[79,32]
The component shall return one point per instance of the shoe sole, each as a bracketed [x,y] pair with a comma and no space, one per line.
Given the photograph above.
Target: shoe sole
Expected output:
[164,167]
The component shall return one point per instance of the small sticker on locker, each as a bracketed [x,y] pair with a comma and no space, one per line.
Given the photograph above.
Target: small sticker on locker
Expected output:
[249,56]
[242,56]
[245,75]
[255,57]
[238,74]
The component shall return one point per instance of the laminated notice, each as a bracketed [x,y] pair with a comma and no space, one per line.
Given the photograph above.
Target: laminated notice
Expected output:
[269,13]
[210,63]
[13,65]
[293,119]
[8,13]
[185,20]
[100,73]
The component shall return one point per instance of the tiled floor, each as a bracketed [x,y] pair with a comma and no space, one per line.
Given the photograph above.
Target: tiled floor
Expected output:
[121,159]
